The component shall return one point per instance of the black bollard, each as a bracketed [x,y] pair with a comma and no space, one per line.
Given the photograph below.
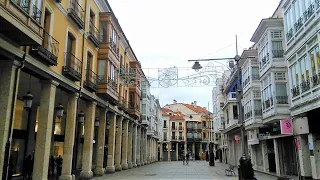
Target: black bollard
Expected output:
[211,162]
[207,156]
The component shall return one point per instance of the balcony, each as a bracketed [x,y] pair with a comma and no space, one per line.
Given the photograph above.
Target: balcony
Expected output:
[268,103]
[181,138]
[108,89]
[305,86]
[21,21]
[295,91]
[165,126]
[165,139]
[282,99]
[173,128]
[248,115]
[114,47]
[180,128]
[73,67]
[277,53]
[76,13]
[315,79]
[298,24]
[48,51]
[92,81]
[289,34]
[257,112]
[174,138]
[134,110]
[94,34]
[123,104]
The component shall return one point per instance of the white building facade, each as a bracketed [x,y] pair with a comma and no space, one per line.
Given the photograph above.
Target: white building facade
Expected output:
[301,31]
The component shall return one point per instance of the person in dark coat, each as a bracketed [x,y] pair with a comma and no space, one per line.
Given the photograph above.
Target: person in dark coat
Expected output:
[52,165]
[59,165]
[27,168]
[187,158]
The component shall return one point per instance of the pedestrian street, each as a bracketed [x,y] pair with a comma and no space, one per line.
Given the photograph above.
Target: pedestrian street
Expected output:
[175,170]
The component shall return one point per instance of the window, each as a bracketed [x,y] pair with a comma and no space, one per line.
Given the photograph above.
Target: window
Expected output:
[314,55]
[235,111]
[101,69]
[255,73]
[165,135]
[277,45]
[266,92]
[131,99]
[281,93]
[165,123]
[103,31]
[256,94]
[143,109]
[276,34]
[113,74]
[280,76]
[180,134]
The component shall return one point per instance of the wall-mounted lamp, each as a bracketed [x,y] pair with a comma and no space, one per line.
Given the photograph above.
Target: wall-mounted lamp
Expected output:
[81,117]
[59,111]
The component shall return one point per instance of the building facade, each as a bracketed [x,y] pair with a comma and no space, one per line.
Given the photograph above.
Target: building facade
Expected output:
[70,86]
[301,42]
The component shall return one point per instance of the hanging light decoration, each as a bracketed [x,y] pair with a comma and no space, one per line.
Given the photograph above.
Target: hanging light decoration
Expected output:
[81,117]
[108,125]
[59,111]
[27,99]
[96,122]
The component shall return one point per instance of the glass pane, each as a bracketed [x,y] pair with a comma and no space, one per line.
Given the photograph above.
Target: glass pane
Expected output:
[281,90]
[102,66]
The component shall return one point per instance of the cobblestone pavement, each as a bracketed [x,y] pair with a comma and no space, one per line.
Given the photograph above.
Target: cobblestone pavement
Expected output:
[174,170]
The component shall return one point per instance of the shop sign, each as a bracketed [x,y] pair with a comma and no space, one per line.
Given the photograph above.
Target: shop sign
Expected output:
[286,126]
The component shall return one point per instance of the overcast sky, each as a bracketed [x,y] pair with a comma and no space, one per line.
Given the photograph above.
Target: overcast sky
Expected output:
[166,33]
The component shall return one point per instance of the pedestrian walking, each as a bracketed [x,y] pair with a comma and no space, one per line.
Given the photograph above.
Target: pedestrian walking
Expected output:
[187,158]
[59,166]
[52,165]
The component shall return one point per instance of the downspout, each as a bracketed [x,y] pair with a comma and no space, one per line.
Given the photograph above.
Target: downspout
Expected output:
[77,134]
[8,144]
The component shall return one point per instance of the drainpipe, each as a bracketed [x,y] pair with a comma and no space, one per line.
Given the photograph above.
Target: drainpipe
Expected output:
[77,130]
[8,144]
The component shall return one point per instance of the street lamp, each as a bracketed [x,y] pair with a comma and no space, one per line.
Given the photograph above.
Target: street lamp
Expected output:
[81,117]
[196,66]
[108,125]
[27,99]
[96,122]
[59,111]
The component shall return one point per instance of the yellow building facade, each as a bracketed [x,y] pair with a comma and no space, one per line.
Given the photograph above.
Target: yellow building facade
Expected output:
[70,87]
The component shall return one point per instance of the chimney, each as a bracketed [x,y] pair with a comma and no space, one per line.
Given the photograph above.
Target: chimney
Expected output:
[195,103]
[174,101]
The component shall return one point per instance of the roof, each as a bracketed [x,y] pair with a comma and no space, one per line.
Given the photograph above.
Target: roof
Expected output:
[263,25]
[173,115]
[195,108]
[177,117]
[165,111]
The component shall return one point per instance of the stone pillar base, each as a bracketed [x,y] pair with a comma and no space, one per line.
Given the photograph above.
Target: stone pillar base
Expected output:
[65,177]
[99,171]
[86,175]
[124,166]
[118,167]
[138,164]
[134,165]
[130,165]
[110,169]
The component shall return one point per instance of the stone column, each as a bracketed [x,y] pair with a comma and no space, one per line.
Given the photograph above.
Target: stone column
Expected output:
[169,151]
[152,150]
[134,146]
[138,145]
[86,171]
[264,156]
[161,151]
[31,130]
[145,146]
[148,150]
[185,148]
[69,137]
[111,142]
[44,133]
[177,151]
[118,143]
[304,155]
[201,150]
[99,170]
[142,147]
[8,79]
[193,148]
[276,156]
[314,158]
[124,148]
[130,145]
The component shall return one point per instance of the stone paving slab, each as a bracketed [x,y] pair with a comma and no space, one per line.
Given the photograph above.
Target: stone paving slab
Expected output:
[174,170]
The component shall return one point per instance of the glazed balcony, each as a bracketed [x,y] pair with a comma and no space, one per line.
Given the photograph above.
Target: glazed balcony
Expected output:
[48,51]
[94,34]
[114,47]
[72,68]
[295,91]
[305,86]
[257,112]
[315,79]
[277,53]
[92,81]
[282,99]
[76,13]
[134,110]
[123,104]
[108,89]
[21,22]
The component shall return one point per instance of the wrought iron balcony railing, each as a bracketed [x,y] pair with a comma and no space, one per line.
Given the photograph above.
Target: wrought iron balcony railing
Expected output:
[36,14]
[73,66]
[315,79]
[305,86]
[114,47]
[76,12]
[298,24]
[309,12]
[173,138]
[289,34]
[295,91]
[257,112]
[92,81]
[180,137]
[94,34]
[180,128]
[48,51]
[24,4]
[173,128]
[277,53]
[113,84]
[282,99]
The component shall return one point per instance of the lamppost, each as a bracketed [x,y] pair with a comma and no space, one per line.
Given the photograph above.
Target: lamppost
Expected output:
[245,168]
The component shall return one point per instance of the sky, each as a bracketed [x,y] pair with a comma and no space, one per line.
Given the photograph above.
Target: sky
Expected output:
[167,33]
